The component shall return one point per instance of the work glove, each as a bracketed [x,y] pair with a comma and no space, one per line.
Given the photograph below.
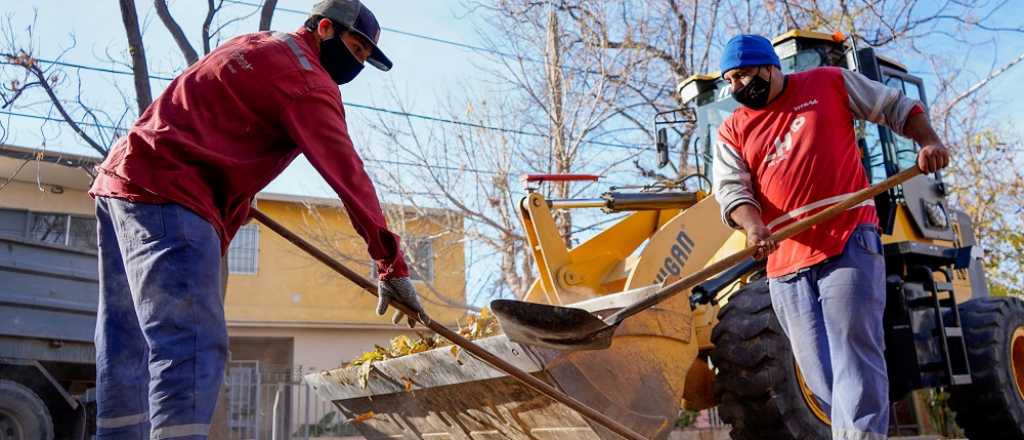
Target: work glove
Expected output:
[398,290]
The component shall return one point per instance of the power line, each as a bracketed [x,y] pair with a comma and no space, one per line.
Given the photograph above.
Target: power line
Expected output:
[380,161]
[371,108]
[99,69]
[458,44]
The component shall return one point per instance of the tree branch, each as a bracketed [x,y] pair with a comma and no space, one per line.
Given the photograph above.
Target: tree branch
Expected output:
[267,14]
[140,70]
[179,36]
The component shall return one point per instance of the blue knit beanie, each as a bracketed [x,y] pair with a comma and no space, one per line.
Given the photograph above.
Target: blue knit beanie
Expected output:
[748,50]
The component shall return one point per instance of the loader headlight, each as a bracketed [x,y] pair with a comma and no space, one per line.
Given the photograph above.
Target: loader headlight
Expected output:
[936,215]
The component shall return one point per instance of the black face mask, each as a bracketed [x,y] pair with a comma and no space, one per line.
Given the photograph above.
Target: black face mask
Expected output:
[755,93]
[339,62]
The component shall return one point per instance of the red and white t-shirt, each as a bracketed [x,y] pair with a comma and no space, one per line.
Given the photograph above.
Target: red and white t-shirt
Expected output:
[799,155]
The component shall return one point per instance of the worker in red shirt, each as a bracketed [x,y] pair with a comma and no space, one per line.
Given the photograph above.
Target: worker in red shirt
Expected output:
[787,152]
[172,193]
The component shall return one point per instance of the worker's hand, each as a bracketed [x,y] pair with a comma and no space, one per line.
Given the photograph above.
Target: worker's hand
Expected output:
[398,290]
[759,236]
[932,158]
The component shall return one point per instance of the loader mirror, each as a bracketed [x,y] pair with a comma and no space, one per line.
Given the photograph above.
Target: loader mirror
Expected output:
[662,145]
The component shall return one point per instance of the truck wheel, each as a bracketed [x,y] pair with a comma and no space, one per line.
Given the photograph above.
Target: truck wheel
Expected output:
[993,405]
[23,415]
[759,388]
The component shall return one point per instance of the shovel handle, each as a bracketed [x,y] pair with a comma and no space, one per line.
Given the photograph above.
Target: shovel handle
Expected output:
[786,232]
[474,349]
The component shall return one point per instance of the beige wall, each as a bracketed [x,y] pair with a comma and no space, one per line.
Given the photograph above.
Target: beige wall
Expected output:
[318,349]
[26,195]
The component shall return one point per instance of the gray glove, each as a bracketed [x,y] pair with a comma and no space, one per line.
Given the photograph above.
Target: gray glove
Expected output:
[398,290]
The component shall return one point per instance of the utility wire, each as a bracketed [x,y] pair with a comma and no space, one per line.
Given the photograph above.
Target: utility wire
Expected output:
[379,161]
[369,107]
[458,44]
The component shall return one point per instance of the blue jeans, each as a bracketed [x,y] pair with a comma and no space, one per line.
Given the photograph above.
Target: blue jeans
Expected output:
[161,340]
[832,314]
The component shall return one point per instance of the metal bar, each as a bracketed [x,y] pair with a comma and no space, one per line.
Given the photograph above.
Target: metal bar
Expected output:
[256,388]
[484,355]
[274,414]
[304,386]
[576,203]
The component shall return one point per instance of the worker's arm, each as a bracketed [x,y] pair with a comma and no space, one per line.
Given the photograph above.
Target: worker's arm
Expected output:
[878,103]
[733,190]
[732,179]
[933,155]
[758,235]
[315,121]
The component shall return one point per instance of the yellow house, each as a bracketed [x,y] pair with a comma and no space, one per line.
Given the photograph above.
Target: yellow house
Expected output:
[288,311]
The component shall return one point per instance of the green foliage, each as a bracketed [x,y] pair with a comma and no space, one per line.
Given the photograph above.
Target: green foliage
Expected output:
[941,415]
[686,418]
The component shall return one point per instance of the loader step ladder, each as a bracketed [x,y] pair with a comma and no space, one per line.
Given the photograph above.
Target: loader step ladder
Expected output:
[940,299]
[924,335]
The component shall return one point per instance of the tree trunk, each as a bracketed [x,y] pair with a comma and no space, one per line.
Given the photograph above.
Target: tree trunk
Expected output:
[143,94]
[179,35]
[556,95]
[267,14]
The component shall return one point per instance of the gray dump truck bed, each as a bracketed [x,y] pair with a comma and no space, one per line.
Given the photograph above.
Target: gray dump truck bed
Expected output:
[48,299]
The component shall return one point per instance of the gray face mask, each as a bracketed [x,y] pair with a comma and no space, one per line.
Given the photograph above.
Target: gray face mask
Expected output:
[339,62]
[755,93]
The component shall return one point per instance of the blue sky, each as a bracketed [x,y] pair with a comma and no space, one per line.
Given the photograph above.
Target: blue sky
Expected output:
[423,69]
[426,72]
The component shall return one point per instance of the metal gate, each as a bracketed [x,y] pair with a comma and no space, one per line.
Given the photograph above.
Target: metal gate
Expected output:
[276,405]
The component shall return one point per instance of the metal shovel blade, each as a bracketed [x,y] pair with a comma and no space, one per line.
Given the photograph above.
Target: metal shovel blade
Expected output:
[555,327]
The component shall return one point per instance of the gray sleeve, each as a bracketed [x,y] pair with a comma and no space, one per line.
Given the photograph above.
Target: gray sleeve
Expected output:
[878,103]
[732,184]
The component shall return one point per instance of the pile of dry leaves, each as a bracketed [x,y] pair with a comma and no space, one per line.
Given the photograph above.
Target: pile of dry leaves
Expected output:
[470,327]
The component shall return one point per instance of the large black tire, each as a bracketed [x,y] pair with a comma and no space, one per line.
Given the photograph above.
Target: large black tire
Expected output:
[757,387]
[23,415]
[992,406]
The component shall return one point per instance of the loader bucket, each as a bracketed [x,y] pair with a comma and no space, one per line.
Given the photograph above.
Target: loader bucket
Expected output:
[446,394]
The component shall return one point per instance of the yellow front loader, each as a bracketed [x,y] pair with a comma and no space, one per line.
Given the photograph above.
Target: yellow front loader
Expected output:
[721,345]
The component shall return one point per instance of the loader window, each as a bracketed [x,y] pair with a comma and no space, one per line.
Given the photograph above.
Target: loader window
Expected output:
[872,150]
[803,60]
[904,150]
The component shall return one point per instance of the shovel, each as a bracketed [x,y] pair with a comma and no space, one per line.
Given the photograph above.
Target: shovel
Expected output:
[498,363]
[571,329]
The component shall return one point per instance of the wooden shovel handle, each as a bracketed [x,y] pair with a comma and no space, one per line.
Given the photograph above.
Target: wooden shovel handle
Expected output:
[786,232]
[474,349]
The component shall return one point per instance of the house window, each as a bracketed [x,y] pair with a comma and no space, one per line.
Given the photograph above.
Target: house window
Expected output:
[73,231]
[419,255]
[244,251]
[49,228]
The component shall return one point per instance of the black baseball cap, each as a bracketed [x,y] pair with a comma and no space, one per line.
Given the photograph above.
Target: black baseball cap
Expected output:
[356,18]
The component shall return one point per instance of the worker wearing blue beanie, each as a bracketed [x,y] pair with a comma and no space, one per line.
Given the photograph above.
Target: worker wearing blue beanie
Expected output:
[788,151]
[750,87]
[748,50]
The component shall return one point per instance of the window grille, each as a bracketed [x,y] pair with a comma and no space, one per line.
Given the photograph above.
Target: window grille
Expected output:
[244,251]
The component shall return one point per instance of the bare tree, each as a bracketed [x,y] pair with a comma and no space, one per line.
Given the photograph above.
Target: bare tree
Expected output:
[143,94]
[549,92]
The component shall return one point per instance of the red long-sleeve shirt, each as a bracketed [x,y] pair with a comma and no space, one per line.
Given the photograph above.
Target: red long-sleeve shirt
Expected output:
[233,121]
